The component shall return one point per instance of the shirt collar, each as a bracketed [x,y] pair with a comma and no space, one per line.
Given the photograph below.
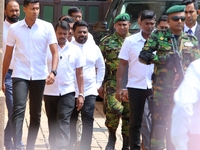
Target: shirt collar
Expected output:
[23,23]
[66,46]
[7,23]
[78,44]
[140,37]
[186,28]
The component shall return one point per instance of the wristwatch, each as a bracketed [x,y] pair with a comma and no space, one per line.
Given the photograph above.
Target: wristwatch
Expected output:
[81,94]
[54,72]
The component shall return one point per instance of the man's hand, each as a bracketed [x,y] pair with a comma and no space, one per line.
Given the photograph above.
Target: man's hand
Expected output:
[101,92]
[118,95]
[3,87]
[124,95]
[50,79]
[79,102]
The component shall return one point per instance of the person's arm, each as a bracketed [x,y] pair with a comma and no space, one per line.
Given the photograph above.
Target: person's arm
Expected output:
[54,51]
[6,63]
[185,98]
[80,83]
[103,45]
[120,74]
[147,55]
[100,69]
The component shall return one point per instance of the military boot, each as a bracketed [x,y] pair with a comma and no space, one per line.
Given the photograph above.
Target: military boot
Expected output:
[111,140]
[125,142]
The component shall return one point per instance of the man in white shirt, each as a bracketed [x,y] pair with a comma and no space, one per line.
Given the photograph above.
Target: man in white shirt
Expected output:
[59,97]
[191,25]
[12,13]
[31,37]
[185,131]
[93,72]
[139,76]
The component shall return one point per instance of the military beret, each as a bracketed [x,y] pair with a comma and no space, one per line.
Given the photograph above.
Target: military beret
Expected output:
[122,17]
[175,8]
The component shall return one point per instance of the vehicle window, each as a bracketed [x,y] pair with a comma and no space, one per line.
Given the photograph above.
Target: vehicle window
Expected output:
[134,8]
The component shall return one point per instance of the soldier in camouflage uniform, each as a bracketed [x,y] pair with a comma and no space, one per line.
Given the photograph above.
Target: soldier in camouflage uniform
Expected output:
[166,78]
[110,46]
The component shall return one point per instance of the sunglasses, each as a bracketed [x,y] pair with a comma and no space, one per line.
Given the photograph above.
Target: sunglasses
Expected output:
[176,18]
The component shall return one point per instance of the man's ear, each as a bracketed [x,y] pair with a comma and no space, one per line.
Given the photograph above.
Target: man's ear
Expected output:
[198,12]
[5,12]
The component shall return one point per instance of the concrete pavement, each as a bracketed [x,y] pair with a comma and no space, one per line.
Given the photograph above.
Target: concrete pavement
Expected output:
[100,134]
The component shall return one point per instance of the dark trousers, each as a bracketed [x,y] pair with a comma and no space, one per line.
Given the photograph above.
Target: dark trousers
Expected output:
[59,110]
[137,99]
[21,87]
[87,113]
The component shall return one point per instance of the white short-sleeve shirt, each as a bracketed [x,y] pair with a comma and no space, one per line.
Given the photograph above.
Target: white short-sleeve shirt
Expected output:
[31,48]
[139,75]
[70,58]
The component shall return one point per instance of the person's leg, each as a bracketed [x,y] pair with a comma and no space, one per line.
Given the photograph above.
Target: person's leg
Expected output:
[125,125]
[51,111]
[137,99]
[20,92]
[146,127]
[9,104]
[114,110]
[35,96]
[73,120]
[160,117]
[87,113]
[65,108]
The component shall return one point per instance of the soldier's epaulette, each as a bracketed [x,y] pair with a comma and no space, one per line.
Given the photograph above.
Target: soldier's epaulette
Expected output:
[105,37]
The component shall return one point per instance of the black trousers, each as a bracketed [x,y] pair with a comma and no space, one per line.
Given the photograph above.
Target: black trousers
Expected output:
[21,87]
[87,116]
[59,110]
[137,99]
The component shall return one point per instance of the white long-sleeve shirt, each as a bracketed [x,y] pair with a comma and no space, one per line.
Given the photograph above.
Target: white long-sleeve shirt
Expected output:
[186,112]
[94,70]
[6,26]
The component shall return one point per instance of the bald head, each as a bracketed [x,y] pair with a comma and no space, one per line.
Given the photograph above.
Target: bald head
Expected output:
[12,11]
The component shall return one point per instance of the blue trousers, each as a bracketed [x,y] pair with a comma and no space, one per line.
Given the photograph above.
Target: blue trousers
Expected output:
[9,104]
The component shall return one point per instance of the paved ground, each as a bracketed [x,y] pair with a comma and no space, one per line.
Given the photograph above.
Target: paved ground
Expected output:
[100,134]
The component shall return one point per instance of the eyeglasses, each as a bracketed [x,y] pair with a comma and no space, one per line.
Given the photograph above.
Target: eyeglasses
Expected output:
[177,18]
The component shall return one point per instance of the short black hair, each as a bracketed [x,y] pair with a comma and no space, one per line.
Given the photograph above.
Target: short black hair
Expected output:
[162,18]
[74,9]
[79,24]
[66,18]
[62,24]
[187,2]
[148,14]
[26,2]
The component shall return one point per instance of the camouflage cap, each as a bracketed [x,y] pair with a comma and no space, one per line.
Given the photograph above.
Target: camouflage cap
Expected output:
[175,8]
[122,17]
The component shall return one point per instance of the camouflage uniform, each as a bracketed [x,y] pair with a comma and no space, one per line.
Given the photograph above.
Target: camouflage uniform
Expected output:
[164,83]
[110,47]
